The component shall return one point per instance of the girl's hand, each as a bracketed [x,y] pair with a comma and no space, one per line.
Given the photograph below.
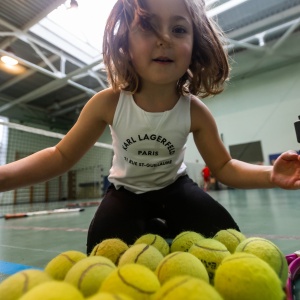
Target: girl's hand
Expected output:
[286,171]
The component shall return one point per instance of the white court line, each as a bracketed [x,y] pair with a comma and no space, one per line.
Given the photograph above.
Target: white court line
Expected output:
[69,229]
[31,249]
[45,228]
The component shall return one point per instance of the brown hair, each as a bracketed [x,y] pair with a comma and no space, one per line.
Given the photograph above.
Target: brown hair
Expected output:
[209,68]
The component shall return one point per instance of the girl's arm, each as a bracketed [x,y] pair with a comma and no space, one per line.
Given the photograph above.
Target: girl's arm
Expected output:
[232,172]
[51,162]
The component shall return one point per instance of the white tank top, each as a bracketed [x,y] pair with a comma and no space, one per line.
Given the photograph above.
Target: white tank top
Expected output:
[148,147]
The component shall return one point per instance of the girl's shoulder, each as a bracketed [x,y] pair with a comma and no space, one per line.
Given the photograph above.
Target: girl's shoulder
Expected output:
[200,114]
[196,103]
[104,103]
[107,95]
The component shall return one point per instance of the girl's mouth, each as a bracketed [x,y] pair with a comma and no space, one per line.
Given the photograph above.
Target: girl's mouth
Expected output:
[163,60]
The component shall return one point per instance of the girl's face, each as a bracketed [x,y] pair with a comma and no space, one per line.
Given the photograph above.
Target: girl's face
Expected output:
[164,57]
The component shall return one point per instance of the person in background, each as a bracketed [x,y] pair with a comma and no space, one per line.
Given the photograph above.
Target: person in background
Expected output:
[206,177]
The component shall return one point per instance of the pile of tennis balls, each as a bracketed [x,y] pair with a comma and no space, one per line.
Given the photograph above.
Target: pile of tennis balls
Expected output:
[228,266]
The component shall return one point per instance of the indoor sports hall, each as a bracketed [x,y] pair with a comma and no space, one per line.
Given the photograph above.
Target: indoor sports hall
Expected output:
[57,67]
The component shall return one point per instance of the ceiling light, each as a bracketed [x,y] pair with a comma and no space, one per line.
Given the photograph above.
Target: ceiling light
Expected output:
[7,59]
[73,4]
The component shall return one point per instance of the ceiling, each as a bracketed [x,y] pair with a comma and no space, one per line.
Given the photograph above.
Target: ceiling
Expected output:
[49,86]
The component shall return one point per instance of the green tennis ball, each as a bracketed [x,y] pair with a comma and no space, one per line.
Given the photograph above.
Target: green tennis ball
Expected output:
[180,263]
[245,276]
[187,287]
[231,238]
[109,296]
[133,280]
[16,285]
[53,290]
[142,254]
[211,253]
[111,248]
[154,240]
[88,274]
[59,266]
[184,241]
[267,251]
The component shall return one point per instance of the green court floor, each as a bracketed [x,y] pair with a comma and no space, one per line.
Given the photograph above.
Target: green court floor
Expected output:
[33,241]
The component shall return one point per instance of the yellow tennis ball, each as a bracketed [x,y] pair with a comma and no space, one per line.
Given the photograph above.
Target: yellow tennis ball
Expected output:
[180,263]
[88,274]
[231,238]
[184,240]
[133,280]
[109,296]
[187,288]
[59,266]
[53,290]
[267,251]
[142,254]
[245,276]
[211,253]
[154,240]
[111,248]
[16,285]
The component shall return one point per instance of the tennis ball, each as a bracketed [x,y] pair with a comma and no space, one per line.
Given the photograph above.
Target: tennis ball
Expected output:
[211,253]
[133,280]
[62,263]
[111,248]
[188,288]
[88,274]
[142,254]
[109,296]
[231,238]
[154,240]
[184,241]
[53,290]
[16,285]
[267,251]
[245,276]
[180,263]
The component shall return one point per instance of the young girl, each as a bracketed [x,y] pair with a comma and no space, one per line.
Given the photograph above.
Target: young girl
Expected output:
[159,54]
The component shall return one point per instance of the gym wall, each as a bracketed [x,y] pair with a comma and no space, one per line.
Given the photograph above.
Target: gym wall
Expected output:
[260,108]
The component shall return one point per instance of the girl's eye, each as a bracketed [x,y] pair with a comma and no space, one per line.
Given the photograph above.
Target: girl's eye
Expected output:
[145,25]
[179,30]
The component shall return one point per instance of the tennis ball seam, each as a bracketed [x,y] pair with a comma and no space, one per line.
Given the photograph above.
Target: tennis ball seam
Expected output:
[72,261]
[117,297]
[183,281]
[26,282]
[238,258]
[165,261]
[142,251]
[210,249]
[235,236]
[180,236]
[81,278]
[119,257]
[95,250]
[274,246]
[133,286]
[154,240]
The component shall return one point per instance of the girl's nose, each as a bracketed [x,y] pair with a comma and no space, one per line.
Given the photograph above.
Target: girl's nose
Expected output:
[164,41]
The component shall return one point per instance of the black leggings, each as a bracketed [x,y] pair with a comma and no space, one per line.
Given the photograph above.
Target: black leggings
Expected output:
[183,205]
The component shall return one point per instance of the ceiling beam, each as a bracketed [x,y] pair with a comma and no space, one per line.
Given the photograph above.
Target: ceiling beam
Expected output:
[267,22]
[53,5]
[47,88]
